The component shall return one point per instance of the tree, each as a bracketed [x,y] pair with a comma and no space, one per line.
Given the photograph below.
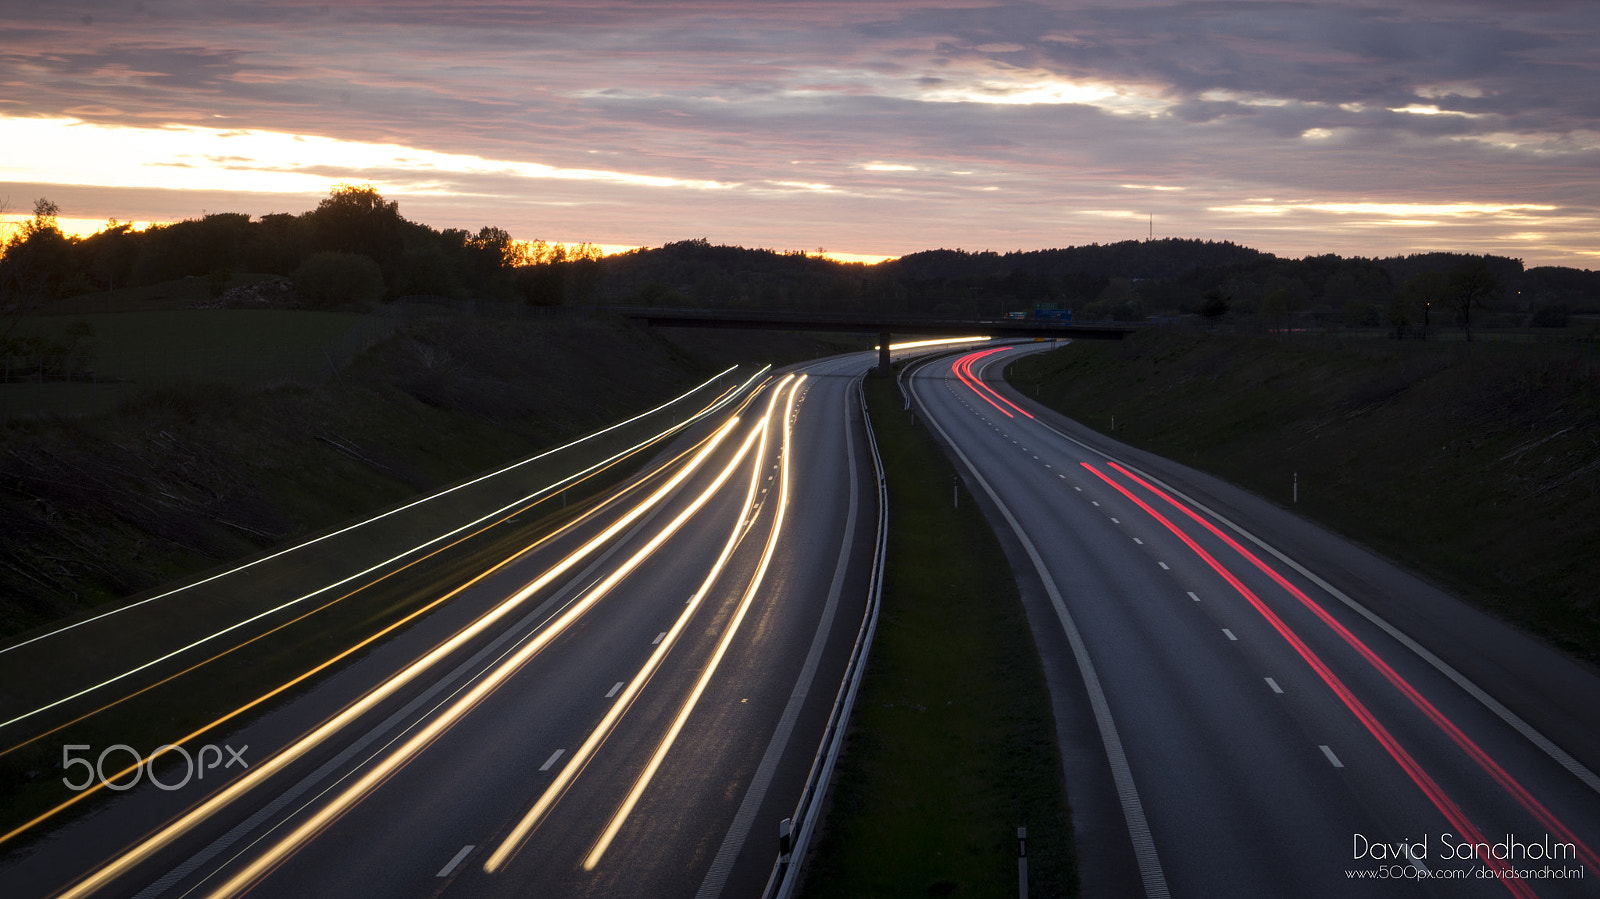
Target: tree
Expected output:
[493,250]
[356,219]
[1472,285]
[1214,305]
[112,252]
[1422,293]
[331,279]
[1552,315]
[1275,309]
[37,259]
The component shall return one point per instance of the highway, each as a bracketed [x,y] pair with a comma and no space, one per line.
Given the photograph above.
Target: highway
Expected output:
[1250,706]
[626,707]
[1247,705]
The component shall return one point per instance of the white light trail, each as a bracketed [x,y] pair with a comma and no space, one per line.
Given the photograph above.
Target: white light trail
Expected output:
[580,759]
[259,773]
[393,559]
[622,813]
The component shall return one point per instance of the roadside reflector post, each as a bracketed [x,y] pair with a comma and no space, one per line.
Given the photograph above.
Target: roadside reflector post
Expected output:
[785,839]
[1297,488]
[1022,863]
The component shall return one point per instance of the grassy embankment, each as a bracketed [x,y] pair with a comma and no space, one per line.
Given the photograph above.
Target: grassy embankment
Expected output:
[1477,464]
[182,478]
[952,743]
[131,351]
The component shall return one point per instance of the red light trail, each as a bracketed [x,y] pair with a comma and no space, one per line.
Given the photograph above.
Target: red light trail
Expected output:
[1412,768]
[963,370]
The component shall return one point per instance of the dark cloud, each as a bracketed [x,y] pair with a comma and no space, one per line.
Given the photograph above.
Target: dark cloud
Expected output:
[1410,100]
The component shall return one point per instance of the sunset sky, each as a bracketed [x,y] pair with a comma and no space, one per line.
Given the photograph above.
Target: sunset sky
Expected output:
[872,128]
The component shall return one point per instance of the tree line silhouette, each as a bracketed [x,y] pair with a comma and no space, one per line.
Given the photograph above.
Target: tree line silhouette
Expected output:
[356,249]
[353,248]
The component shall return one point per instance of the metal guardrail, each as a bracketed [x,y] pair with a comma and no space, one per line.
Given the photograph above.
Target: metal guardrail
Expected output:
[794,837]
[143,636]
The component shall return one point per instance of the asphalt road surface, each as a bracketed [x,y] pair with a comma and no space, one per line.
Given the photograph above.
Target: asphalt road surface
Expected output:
[626,708]
[1250,706]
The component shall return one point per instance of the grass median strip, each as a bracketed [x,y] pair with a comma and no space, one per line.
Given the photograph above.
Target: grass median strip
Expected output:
[952,744]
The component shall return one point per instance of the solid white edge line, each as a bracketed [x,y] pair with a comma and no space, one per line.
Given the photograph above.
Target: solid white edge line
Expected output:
[456,860]
[722,865]
[363,522]
[1562,757]
[282,606]
[1144,847]
[782,881]
[162,887]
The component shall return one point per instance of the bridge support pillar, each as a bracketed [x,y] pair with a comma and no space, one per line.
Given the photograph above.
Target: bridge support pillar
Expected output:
[883,354]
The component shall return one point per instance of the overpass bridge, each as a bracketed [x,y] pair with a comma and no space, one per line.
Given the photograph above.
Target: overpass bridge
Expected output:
[869,323]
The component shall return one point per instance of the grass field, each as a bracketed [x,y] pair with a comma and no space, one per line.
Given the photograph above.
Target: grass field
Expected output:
[129,351]
[952,743]
[1476,463]
[190,475]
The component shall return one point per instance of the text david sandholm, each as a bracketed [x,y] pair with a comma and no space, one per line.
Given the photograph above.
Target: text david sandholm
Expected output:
[1454,848]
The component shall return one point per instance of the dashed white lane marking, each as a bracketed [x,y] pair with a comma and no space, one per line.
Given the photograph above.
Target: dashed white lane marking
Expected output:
[659,637]
[1193,597]
[613,691]
[455,860]
[1138,541]
[1077,488]
[554,757]
[1092,502]
[1164,566]
[1114,521]
[1229,633]
[1331,757]
[1274,685]
[1144,848]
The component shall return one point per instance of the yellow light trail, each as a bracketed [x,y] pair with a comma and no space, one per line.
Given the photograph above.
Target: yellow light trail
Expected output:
[940,342]
[581,757]
[621,816]
[442,537]
[166,835]
[99,785]
[469,700]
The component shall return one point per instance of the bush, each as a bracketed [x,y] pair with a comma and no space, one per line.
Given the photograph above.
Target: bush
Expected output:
[333,279]
[1552,316]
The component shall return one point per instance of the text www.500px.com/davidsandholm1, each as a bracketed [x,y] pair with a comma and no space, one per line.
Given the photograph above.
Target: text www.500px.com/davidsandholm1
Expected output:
[1413,859]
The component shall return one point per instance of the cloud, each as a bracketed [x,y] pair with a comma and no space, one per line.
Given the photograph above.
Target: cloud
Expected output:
[912,124]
